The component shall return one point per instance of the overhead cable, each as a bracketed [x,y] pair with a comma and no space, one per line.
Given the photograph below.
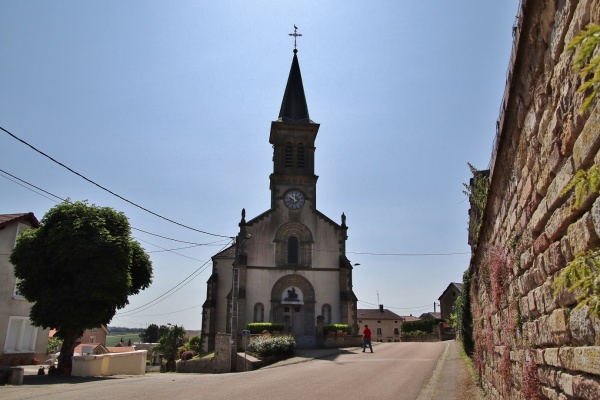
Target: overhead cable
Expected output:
[171,291]
[110,191]
[216,243]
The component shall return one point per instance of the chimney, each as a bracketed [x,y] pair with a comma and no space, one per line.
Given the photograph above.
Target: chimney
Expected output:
[381,308]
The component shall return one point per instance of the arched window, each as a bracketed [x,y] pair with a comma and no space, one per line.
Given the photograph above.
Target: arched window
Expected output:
[300,157]
[326,313]
[289,155]
[293,250]
[259,312]
[296,252]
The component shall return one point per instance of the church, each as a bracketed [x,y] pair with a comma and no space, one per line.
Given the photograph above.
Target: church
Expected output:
[288,264]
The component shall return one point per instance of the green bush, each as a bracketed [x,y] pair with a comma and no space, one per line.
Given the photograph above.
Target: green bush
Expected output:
[425,325]
[335,328]
[414,333]
[256,328]
[269,345]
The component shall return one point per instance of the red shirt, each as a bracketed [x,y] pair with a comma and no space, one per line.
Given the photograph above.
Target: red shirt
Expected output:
[367,333]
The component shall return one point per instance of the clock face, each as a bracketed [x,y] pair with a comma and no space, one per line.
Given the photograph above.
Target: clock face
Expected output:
[293,199]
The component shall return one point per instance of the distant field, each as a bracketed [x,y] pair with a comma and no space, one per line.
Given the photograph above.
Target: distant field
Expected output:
[112,340]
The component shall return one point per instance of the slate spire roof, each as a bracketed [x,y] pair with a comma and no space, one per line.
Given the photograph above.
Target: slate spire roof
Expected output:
[293,106]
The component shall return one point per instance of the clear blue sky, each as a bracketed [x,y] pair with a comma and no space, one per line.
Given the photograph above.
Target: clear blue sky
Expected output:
[169,104]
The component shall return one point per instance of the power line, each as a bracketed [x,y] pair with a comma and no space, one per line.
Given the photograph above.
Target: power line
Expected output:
[407,254]
[133,228]
[172,312]
[396,308]
[21,180]
[109,191]
[171,251]
[228,237]
[171,291]
[168,238]
[198,271]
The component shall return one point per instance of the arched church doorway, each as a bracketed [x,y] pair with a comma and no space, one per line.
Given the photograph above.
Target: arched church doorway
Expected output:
[293,304]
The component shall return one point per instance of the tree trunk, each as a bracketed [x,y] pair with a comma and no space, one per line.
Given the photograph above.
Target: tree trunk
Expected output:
[66,351]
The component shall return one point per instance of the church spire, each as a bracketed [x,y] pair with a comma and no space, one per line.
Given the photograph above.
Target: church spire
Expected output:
[293,106]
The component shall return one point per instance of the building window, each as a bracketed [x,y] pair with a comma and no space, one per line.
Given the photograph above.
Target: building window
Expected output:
[293,250]
[378,331]
[92,339]
[289,155]
[326,312]
[396,331]
[20,336]
[300,156]
[259,312]
[293,245]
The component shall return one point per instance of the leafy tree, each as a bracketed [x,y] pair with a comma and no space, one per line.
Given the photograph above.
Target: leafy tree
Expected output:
[150,335]
[195,344]
[54,344]
[169,343]
[153,332]
[78,268]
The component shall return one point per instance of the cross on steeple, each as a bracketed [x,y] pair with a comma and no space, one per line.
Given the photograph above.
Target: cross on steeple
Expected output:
[295,35]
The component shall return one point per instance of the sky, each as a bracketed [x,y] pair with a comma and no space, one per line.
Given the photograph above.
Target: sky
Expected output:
[168,104]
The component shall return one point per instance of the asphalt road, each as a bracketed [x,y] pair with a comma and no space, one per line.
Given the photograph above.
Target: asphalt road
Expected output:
[394,371]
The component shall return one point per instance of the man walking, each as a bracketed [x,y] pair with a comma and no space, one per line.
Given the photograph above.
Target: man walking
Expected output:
[367,338]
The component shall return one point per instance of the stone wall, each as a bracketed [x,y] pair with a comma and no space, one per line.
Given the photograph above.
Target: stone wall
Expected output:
[529,341]
[223,353]
[339,341]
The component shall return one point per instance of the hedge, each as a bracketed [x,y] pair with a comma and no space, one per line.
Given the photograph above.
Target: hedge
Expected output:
[335,328]
[256,328]
[425,325]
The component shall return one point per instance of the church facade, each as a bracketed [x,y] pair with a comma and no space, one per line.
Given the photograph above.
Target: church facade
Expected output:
[288,264]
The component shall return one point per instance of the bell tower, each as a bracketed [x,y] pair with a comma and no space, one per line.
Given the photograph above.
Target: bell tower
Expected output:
[293,137]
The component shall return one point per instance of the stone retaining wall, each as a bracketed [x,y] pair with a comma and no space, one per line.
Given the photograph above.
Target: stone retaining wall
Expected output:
[198,366]
[339,341]
[529,341]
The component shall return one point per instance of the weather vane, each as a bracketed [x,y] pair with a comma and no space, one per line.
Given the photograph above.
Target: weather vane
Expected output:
[295,35]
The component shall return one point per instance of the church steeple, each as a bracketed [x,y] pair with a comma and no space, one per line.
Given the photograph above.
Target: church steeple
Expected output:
[293,106]
[293,137]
